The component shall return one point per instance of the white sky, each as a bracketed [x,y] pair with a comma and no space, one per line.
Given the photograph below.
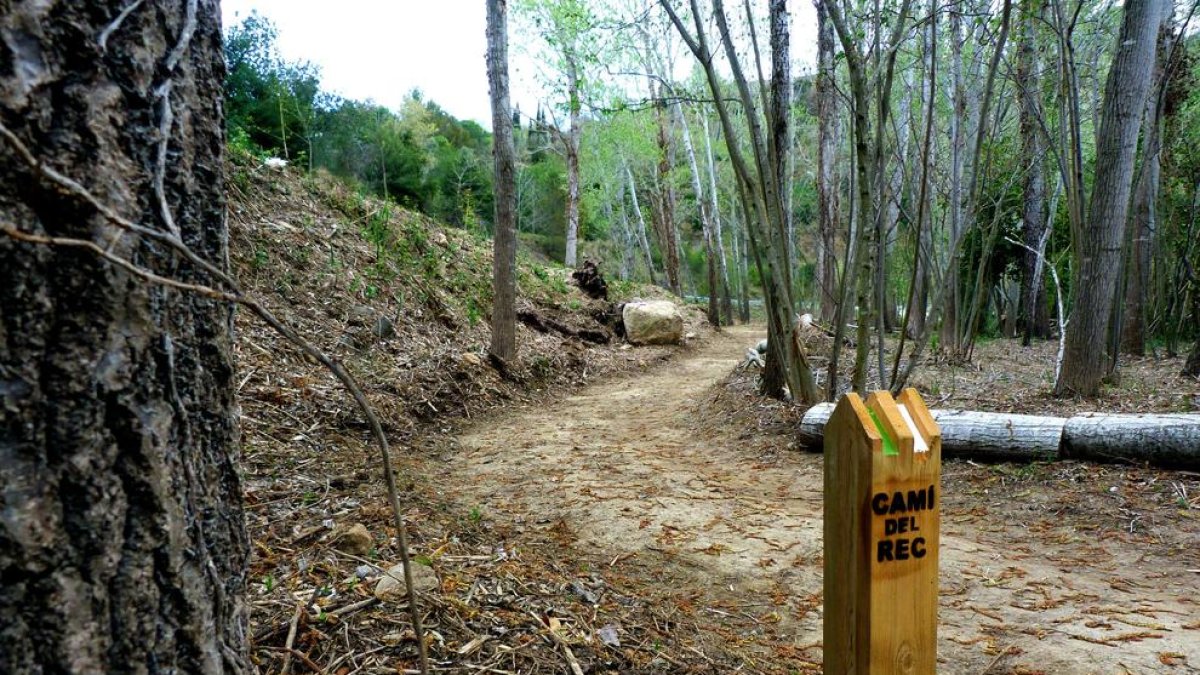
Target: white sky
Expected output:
[383,49]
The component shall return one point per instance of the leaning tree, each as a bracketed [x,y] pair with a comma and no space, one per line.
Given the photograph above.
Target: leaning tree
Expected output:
[122,541]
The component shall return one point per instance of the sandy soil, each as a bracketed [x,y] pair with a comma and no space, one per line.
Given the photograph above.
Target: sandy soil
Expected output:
[1031,581]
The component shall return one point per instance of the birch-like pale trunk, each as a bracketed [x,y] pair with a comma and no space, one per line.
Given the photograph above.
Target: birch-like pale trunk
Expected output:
[715,210]
[641,222]
[758,188]
[714,308]
[958,137]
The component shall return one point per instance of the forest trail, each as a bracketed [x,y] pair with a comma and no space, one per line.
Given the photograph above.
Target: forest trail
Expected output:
[627,475]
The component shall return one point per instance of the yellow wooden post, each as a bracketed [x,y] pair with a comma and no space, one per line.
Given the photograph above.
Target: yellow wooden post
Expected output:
[883,466]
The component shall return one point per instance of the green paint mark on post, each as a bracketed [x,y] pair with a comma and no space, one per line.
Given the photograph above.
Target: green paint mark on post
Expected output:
[890,449]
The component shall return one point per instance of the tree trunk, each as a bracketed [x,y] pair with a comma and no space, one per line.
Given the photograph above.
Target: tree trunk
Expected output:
[918,306]
[714,307]
[641,221]
[757,187]
[952,300]
[1032,304]
[629,250]
[828,132]
[1098,250]
[504,261]
[667,235]
[742,261]
[1143,216]
[895,195]
[573,171]
[715,206]
[985,436]
[122,539]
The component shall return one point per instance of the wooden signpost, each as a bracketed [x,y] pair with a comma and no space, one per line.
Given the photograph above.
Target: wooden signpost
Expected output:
[883,467]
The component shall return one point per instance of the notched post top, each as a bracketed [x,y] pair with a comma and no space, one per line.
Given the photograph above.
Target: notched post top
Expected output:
[882,522]
[896,427]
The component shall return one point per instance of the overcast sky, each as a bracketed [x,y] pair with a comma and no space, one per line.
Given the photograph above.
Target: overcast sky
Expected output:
[383,49]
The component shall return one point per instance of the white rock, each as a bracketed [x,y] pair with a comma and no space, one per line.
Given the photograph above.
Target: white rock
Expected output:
[275,163]
[391,584]
[652,323]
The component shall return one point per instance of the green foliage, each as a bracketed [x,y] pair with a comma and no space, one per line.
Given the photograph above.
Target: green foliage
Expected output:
[420,156]
[270,103]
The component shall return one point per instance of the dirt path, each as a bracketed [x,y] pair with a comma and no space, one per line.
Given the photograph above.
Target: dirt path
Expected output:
[628,469]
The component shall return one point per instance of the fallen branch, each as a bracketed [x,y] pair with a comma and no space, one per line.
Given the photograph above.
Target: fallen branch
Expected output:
[291,640]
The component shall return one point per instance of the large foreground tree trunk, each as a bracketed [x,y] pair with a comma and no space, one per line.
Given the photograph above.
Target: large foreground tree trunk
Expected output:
[504,263]
[1098,246]
[122,541]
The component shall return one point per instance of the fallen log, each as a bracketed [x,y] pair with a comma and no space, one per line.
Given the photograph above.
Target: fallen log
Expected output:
[1164,440]
[986,436]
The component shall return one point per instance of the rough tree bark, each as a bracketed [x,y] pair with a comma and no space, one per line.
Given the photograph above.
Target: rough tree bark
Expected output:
[504,260]
[1143,215]
[1098,246]
[1034,321]
[122,539]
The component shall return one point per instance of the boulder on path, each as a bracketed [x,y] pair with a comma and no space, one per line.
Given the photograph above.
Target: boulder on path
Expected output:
[657,322]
